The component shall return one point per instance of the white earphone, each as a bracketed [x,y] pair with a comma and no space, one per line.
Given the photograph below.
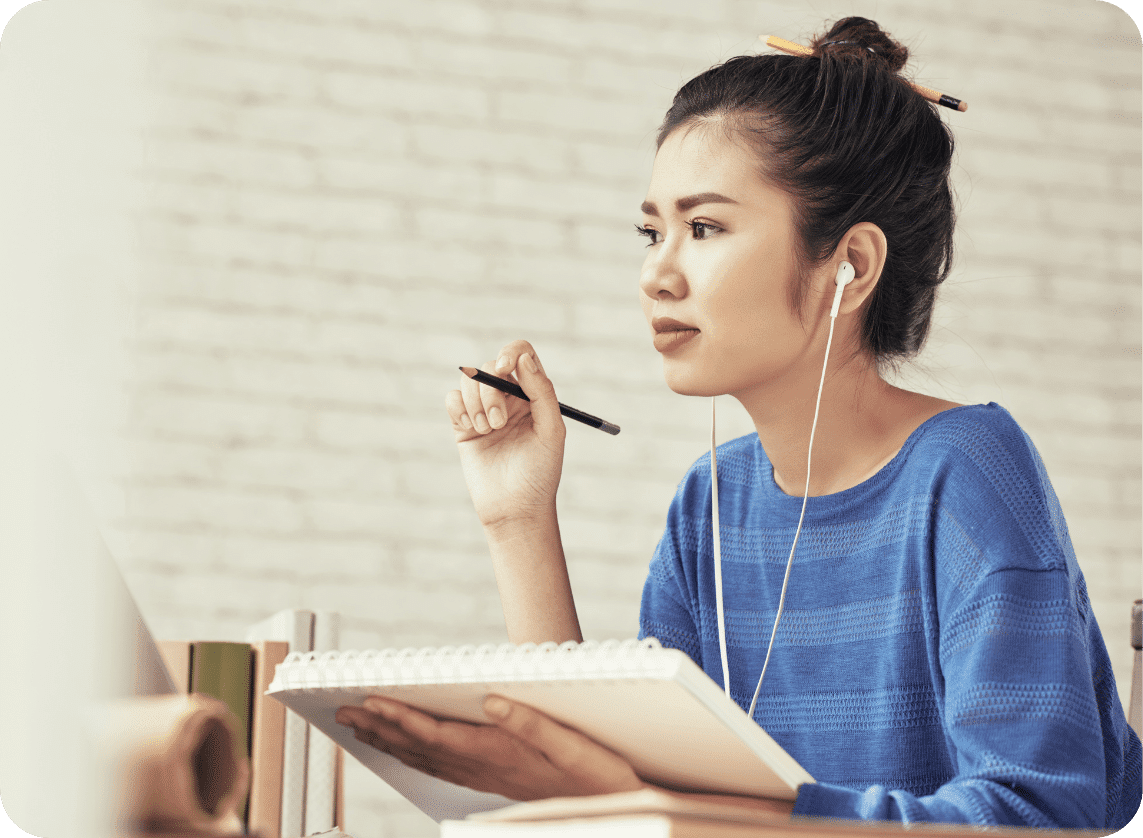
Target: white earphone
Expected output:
[843,278]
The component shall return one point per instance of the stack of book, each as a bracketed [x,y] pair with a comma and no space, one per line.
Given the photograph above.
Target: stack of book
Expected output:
[295,787]
[649,813]
[654,813]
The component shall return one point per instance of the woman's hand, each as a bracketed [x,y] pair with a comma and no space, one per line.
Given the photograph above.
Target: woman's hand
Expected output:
[511,450]
[523,754]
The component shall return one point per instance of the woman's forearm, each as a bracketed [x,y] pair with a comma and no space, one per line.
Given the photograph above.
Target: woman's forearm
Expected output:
[532,575]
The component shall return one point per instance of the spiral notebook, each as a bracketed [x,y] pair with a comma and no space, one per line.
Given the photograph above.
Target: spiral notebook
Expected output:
[651,705]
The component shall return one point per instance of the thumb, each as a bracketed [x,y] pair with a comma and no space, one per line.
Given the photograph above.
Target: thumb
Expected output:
[538,387]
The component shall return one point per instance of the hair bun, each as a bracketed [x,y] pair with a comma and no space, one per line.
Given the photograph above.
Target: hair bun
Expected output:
[858,37]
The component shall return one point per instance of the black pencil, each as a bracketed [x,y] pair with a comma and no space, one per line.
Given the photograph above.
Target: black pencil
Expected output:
[513,389]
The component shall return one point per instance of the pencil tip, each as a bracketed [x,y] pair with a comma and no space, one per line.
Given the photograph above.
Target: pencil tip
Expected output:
[469,371]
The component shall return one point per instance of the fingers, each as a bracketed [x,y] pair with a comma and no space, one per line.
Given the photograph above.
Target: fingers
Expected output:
[454,404]
[376,731]
[567,749]
[520,357]
[539,388]
[483,405]
[475,408]
[419,725]
[454,751]
[395,729]
[559,743]
[509,357]
[525,755]
[410,729]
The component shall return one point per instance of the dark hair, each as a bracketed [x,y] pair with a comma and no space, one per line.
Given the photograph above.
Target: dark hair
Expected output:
[850,140]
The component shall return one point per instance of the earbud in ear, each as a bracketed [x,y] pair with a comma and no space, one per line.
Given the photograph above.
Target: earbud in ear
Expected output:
[843,278]
[844,274]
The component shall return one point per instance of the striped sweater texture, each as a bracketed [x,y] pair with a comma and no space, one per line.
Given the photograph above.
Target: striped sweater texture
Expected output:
[937,659]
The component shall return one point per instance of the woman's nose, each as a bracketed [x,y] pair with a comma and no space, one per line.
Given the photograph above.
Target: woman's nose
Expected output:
[662,274]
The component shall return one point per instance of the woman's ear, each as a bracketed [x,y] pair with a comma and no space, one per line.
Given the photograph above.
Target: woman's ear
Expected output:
[863,246]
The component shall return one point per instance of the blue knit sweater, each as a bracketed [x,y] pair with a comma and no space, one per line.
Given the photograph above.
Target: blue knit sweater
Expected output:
[937,659]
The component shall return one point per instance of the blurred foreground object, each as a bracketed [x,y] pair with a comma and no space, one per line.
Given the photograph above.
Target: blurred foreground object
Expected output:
[178,763]
[72,638]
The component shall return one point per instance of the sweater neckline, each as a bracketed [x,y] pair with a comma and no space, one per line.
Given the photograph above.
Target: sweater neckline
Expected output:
[875,481]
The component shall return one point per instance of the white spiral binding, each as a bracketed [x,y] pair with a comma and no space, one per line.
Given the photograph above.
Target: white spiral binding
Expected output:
[611,659]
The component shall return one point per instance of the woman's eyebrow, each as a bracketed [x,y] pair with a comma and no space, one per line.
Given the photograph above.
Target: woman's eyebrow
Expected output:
[689,202]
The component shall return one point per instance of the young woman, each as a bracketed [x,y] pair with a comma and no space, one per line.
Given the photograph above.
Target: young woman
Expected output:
[937,658]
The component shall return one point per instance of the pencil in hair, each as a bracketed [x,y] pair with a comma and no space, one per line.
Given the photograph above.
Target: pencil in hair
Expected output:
[932,95]
[784,45]
[941,98]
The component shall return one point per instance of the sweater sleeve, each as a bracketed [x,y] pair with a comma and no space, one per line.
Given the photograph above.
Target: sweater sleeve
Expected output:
[1021,720]
[668,606]
[1029,710]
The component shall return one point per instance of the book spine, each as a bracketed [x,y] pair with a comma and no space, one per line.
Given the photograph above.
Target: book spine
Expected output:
[268,726]
[321,764]
[294,626]
[222,670]
[339,792]
[294,752]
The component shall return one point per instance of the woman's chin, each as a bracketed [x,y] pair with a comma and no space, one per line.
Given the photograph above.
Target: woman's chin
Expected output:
[690,384]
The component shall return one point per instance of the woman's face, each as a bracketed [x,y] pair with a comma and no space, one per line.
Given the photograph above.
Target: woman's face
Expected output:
[716,285]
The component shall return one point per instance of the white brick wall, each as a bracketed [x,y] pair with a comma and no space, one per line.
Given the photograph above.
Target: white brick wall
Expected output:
[344,201]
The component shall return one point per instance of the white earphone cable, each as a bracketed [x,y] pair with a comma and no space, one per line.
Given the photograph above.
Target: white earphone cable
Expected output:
[717,553]
[844,276]
[801,517]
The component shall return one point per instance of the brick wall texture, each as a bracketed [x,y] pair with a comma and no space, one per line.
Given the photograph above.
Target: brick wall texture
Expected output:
[343,201]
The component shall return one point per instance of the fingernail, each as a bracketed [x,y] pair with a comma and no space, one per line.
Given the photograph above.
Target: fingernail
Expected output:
[529,362]
[495,417]
[502,363]
[481,423]
[496,707]
[465,422]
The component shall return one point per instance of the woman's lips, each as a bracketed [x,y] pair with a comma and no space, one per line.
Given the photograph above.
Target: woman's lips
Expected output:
[673,337]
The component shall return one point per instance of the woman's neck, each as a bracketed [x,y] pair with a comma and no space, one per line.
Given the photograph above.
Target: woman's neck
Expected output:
[862,424]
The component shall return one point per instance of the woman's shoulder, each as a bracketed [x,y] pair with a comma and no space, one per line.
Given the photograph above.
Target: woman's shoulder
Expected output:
[987,475]
[976,451]
[985,435]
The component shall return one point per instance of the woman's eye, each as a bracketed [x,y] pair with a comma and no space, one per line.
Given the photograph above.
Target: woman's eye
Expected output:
[650,233]
[701,230]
